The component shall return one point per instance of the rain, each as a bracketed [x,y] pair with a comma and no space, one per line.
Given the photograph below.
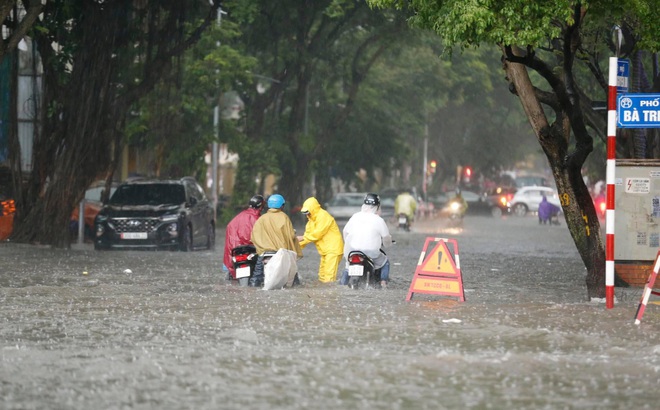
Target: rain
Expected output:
[87,329]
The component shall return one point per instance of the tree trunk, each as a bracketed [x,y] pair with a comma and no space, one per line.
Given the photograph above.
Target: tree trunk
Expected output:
[88,97]
[579,211]
[74,146]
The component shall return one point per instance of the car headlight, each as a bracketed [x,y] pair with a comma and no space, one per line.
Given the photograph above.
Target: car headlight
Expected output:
[169,217]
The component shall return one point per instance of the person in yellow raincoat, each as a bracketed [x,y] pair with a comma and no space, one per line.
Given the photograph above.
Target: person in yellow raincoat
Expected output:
[322,230]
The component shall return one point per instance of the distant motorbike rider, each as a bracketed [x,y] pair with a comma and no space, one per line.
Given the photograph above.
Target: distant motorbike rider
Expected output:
[458,198]
[322,230]
[239,231]
[367,232]
[406,204]
[271,232]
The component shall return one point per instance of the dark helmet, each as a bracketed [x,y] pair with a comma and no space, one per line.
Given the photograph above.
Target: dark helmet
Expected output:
[256,202]
[372,199]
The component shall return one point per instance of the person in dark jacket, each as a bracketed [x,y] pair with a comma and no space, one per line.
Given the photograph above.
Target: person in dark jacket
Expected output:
[239,231]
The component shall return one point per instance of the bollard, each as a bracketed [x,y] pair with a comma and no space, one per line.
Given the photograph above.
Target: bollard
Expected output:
[81,222]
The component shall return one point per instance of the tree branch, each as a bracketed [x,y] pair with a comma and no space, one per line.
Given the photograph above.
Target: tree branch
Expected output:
[31,14]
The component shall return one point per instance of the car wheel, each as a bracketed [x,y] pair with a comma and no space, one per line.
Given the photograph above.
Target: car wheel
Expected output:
[520,209]
[186,239]
[210,237]
[496,211]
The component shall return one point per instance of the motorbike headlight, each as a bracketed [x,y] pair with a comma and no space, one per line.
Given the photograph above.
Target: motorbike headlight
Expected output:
[455,206]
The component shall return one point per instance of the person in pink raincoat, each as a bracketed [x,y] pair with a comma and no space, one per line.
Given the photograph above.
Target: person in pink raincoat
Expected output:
[239,231]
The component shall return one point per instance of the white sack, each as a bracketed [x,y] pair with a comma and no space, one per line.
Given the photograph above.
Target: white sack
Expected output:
[280,270]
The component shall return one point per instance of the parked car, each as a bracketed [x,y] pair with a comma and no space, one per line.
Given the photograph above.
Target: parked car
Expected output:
[498,200]
[344,204]
[8,206]
[93,205]
[531,180]
[527,199]
[387,207]
[387,198]
[156,214]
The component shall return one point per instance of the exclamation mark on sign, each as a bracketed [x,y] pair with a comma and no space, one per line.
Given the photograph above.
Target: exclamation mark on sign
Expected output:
[439,260]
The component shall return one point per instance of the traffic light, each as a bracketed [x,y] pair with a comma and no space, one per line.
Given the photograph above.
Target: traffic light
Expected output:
[468,174]
[432,166]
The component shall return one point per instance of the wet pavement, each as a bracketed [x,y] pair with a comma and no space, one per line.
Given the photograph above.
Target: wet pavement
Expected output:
[81,329]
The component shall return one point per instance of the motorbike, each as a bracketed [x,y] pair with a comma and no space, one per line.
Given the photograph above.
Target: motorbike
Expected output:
[361,270]
[244,258]
[404,222]
[266,258]
[455,213]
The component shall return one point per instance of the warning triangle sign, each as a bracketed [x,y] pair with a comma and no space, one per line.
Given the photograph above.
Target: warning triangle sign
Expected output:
[439,262]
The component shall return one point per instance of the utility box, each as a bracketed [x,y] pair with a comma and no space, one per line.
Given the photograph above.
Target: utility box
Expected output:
[637,210]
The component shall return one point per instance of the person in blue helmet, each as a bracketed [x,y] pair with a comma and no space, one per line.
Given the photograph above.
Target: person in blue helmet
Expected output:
[272,232]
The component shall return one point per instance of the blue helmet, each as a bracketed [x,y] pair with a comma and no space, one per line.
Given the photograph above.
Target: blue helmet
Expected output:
[275,201]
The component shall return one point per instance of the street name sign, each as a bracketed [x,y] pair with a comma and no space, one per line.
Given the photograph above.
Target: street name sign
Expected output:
[622,76]
[638,111]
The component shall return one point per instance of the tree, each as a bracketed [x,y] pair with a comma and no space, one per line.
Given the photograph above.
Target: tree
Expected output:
[296,44]
[98,58]
[17,18]
[548,39]
[175,120]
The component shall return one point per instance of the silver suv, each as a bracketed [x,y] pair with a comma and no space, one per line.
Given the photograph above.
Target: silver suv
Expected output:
[343,205]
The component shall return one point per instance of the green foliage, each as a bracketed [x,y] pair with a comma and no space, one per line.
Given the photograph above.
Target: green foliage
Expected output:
[176,118]
[468,23]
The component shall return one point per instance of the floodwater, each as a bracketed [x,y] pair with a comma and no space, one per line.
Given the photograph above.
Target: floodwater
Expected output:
[163,330]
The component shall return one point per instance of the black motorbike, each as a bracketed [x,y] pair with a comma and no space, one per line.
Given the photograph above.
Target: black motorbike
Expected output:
[361,270]
[404,222]
[244,258]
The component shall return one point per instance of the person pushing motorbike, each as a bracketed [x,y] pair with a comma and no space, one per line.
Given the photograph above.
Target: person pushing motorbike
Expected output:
[322,230]
[239,231]
[366,231]
[271,232]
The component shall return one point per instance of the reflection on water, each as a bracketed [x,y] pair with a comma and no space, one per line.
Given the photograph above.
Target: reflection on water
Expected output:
[172,334]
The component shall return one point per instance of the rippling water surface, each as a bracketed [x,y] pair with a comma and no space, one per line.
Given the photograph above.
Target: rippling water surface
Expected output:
[172,334]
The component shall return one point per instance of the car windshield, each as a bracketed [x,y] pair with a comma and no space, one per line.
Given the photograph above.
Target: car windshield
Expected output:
[148,194]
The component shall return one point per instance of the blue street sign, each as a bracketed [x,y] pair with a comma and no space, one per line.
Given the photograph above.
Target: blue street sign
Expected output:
[622,76]
[638,111]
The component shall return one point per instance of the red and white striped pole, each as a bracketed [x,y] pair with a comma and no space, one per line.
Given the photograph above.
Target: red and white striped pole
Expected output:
[611,167]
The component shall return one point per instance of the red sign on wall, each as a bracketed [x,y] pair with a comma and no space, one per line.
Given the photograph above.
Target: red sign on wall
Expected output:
[438,272]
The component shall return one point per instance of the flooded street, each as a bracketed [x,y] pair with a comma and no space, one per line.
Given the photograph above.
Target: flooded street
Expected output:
[163,330]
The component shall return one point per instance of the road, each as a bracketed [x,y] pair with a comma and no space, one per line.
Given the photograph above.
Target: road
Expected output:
[81,329]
